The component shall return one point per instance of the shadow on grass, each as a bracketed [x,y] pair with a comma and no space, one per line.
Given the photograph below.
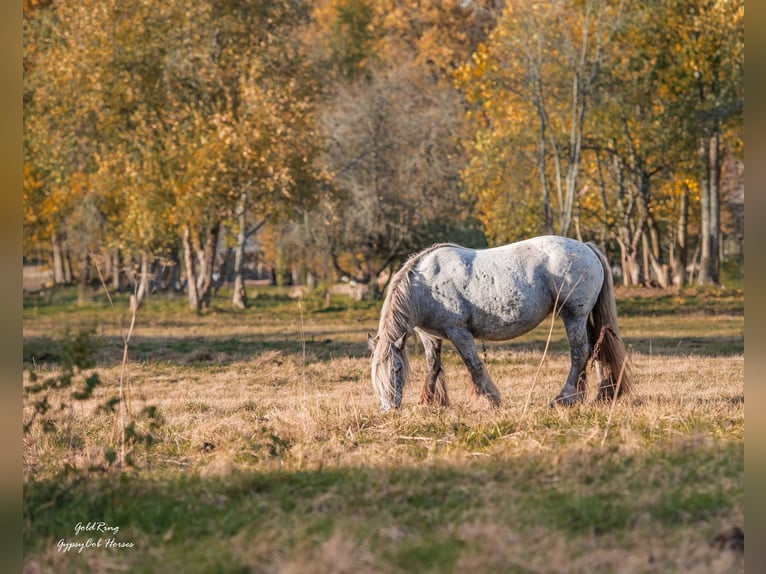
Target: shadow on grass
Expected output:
[691,301]
[273,301]
[711,346]
[405,516]
[203,351]
[326,346]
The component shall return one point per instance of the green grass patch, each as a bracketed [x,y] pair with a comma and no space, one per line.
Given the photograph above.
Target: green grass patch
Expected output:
[425,505]
[274,301]
[690,300]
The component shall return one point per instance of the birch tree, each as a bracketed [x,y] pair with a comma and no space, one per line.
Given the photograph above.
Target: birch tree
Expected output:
[531,87]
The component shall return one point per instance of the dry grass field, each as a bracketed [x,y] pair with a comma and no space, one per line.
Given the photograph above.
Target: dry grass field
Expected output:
[256,445]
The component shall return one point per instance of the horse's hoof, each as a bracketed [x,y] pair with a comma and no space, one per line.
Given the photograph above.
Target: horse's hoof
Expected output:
[566,401]
[494,401]
[487,401]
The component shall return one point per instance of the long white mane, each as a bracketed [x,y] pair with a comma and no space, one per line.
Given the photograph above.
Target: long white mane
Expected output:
[397,317]
[397,313]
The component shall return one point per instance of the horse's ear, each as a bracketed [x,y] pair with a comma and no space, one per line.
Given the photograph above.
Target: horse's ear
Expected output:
[399,343]
[372,342]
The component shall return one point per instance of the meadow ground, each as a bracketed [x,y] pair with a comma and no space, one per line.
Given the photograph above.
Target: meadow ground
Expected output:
[254,444]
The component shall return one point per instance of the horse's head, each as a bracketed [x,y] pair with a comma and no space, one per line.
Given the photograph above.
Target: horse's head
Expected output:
[389,369]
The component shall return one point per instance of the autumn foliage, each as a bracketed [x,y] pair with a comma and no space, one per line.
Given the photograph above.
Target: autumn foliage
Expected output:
[226,139]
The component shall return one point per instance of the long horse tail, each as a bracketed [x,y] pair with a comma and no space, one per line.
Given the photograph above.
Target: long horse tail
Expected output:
[608,347]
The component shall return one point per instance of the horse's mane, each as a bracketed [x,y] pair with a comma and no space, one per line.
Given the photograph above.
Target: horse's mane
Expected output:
[397,317]
[397,314]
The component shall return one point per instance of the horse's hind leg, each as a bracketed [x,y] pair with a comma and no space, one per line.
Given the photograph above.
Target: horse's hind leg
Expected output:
[579,351]
[482,384]
[434,389]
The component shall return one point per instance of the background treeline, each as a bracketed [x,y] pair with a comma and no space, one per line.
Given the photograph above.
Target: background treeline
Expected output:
[176,145]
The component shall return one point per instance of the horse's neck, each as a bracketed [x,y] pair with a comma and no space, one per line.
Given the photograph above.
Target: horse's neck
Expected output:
[394,320]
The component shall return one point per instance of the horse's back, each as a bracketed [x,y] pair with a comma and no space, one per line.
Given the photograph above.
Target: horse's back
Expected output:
[503,292]
[539,262]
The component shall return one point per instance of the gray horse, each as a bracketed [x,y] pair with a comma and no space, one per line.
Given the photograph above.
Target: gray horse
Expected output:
[460,294]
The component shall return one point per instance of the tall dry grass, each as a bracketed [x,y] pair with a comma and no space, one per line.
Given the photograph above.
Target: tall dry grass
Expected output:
[321,413]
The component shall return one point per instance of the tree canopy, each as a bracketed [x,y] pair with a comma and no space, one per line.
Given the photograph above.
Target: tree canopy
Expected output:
[336,137]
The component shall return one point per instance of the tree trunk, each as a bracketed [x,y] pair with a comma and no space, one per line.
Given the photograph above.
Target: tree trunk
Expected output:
[547,211]
[176,275]
[629,238]
[645,260]
[282,270]
[59,278]
[715,207]
[679,248]
[104,263]
[68,273]
[191,275]
[143,280]
[695,264]
[205,280]
[224,272]
[239,298]
[82,279]
[710,210]
[631,269]
[116,270]
[660,269]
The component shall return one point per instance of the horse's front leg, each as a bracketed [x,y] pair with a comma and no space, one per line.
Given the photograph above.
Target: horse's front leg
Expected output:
[482,385]
[434,389]
[579,351]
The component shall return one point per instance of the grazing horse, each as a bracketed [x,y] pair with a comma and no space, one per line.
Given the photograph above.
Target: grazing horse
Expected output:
[460,294]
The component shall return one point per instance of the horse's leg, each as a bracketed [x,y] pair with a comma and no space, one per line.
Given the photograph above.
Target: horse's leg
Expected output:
[466,347]
[434,389]
[579,351]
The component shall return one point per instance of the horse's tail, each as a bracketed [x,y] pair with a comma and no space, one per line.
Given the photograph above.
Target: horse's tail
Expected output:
[608,346]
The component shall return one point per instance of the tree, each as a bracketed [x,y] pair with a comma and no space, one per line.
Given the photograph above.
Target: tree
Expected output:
[57,138]
[531,87]
[241,127]
[609,126]
[393,150]
[651,128]
[173,117]
[392,123]
[635,143]
[712,59]
[91,103]
[339,126]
